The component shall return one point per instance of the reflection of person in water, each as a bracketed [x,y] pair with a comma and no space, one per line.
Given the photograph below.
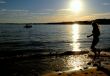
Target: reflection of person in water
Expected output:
[95,34]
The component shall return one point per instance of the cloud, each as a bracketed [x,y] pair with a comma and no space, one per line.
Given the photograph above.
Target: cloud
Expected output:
[49,10]
[47,15]
[9,13]
[106,4]
[16,10]
[2,2]
[3,10]
[6,11]
[95,16]
[62,10]
[22,12]
[18,15]
[53,12]
[102,15]
[22,16]
[35,13]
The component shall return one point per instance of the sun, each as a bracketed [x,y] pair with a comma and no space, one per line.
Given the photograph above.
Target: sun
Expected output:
[75,5]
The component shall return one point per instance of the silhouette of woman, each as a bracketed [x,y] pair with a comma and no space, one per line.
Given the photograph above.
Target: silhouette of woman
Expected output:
[95,34]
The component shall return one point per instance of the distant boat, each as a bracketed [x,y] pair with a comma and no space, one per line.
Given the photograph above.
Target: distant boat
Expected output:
[28,26]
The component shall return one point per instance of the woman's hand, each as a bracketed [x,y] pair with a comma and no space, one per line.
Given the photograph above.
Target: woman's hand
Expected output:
[88,36]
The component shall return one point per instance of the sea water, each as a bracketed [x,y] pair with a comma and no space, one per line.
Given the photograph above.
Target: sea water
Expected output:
[45,39]
[57,38]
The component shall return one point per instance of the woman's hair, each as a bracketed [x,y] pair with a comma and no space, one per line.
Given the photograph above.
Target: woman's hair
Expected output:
[95,25]
[96,29]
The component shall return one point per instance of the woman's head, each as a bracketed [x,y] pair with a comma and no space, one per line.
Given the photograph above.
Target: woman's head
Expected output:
[94,24]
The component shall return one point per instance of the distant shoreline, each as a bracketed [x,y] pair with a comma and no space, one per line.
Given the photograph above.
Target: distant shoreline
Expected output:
[99,21]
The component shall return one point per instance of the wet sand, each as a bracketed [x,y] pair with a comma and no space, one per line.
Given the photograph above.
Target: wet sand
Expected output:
[65,64]
[100,67]
[92,71]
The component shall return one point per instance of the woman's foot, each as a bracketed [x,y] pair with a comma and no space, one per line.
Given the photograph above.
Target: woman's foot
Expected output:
[94,50]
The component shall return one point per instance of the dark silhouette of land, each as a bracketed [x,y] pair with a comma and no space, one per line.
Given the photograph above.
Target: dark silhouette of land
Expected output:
[99,21]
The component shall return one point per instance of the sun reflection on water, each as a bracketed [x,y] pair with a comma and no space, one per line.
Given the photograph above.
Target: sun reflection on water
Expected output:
[75,36]
[77,62]
[73,62]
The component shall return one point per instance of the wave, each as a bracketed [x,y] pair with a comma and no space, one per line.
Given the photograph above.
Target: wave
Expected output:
[34,43]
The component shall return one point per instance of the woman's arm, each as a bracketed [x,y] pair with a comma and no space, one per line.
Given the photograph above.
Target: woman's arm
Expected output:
[90,35]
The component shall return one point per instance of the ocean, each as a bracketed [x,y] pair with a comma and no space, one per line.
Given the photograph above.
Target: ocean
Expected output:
[50,38]
[46,39]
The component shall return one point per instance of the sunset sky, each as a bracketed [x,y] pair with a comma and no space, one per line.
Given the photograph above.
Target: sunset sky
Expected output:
[52,10]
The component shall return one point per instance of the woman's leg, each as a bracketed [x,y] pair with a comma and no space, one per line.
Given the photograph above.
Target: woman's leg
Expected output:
[94,42]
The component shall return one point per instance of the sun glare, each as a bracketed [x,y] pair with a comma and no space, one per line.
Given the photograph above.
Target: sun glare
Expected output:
[75,5]
[75,37]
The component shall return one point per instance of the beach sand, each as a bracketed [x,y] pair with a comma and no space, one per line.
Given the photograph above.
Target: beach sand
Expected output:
[91,71]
